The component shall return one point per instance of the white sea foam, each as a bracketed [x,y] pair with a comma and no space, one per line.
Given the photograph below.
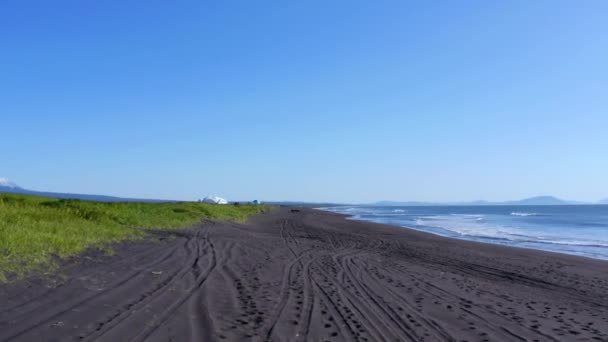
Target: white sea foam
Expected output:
[588,243]
[567,236]
[515,213]
[467,225]
[366,211]
[468,215]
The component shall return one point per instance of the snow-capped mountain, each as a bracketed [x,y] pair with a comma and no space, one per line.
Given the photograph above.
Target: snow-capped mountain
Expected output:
[6,183]
[7,186]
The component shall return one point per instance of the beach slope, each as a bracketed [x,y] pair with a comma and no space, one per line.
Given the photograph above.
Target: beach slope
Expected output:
[306,275]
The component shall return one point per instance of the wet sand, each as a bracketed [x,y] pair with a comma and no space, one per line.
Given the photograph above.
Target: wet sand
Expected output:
[310,276]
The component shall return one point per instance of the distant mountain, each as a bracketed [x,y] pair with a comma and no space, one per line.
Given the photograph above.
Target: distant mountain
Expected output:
[7,186]
[539,200]
[6,183]
[604,201]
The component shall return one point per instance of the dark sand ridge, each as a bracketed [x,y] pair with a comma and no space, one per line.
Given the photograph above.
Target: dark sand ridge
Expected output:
[312,276]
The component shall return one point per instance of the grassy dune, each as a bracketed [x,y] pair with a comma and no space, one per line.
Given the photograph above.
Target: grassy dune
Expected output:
[35,231]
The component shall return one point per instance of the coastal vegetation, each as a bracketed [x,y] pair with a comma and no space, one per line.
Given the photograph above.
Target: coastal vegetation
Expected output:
[36,232]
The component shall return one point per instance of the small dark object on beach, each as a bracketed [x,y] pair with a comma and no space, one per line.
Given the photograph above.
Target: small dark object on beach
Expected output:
[295,210]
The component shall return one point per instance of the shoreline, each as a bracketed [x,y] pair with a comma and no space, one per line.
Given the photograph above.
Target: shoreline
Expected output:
[479,239]
[475,243]
[296,274]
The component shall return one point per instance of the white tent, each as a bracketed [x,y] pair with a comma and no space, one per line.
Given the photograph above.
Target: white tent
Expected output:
[214,200]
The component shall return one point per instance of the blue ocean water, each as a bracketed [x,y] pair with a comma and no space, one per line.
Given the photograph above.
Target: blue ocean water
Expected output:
[572,229]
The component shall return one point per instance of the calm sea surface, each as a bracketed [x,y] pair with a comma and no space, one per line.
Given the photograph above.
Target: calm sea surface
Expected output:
[571,229]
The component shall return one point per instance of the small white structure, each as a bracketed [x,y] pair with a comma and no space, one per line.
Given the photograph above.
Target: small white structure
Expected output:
[214,200]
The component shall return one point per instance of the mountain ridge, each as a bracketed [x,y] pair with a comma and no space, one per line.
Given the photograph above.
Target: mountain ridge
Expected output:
[536,200]
[6,185]
[10,187]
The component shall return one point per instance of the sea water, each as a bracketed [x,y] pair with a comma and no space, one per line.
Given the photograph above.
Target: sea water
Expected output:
[572,229]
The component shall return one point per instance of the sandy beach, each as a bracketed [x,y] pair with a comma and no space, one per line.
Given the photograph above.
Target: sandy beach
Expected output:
[307,275]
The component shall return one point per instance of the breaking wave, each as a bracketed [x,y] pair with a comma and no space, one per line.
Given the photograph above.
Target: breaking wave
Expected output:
[515,213]
[561,229]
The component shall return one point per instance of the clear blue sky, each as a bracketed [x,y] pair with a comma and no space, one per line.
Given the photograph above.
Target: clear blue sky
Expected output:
[306,100]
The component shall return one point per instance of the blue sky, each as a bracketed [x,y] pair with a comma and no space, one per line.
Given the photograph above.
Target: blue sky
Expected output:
[303,100]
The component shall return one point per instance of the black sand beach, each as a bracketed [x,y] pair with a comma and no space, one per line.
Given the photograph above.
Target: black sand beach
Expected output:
[311,276]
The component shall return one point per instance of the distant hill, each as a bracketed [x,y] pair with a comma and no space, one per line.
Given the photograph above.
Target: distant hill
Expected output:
[8,186]
[604,201]
[539,200]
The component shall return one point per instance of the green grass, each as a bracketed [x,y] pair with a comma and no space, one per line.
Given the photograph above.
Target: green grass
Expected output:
[37,231]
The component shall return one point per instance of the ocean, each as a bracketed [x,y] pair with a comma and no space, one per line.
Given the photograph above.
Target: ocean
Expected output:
[571,229]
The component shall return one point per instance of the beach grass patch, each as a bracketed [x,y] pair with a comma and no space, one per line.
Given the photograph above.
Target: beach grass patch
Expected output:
[35,231]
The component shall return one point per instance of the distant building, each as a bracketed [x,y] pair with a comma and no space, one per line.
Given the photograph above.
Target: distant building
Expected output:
[214,200]
[255,202]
